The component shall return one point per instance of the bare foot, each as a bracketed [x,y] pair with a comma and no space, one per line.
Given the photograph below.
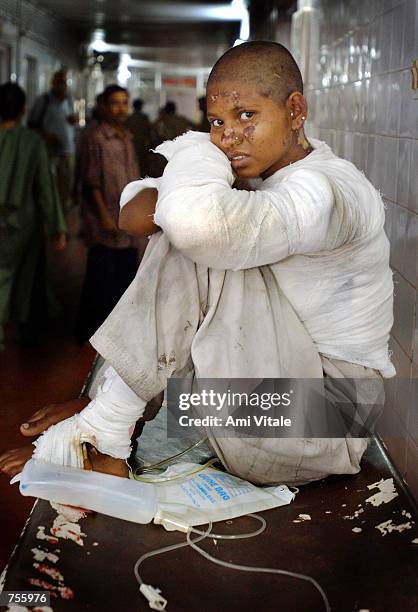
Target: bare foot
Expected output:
[12,461]
[52,414]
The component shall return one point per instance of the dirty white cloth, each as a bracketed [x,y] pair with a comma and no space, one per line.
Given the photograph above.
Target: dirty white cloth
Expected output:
[255,284]
[107,422]
[297,461]
[318,225]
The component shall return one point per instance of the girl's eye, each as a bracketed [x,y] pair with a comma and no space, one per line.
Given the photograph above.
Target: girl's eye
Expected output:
[247,115]
[216,122]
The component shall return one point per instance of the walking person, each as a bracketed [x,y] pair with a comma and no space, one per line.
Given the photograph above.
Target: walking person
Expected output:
[53,117]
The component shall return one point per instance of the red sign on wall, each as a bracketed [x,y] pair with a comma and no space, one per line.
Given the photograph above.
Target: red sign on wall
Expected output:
[179,81]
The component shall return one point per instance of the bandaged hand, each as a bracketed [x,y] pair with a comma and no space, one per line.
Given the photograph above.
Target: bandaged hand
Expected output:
[170,147]
[107,423]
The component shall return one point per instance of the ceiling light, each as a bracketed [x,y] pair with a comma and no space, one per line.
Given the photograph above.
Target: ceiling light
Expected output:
[98,42]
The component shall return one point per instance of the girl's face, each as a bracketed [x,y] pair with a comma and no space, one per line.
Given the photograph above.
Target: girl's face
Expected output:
[253,130]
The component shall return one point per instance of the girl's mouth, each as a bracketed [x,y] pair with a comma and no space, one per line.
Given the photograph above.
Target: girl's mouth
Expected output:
[240,161]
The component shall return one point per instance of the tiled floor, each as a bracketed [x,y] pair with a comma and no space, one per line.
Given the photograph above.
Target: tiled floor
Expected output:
[29,379]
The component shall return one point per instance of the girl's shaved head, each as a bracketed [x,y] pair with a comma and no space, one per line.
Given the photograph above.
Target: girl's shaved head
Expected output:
[268,66]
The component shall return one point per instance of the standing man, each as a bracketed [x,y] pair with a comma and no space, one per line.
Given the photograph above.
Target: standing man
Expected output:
[140,126]
[107,164]
[169,124]
[53,116]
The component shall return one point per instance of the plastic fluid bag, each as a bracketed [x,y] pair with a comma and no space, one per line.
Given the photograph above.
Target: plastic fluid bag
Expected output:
[195,498]
[215,495]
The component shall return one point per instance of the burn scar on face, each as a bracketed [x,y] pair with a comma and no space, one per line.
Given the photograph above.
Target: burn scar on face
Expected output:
[233,95]
[249,132]
[229,132]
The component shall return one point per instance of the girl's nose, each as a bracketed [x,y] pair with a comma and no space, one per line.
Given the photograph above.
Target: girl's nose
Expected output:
[231,137]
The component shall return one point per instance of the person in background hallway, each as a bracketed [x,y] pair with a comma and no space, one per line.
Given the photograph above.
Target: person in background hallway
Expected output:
[107,164]
[53,116]
[97,115]
[29,205]
[169,125]
[203,125]
[139,124]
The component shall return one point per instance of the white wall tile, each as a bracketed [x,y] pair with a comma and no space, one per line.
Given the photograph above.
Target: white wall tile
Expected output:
[404,313]
[382,102]
[394,109]
[399,16]
[377,31]
[410,34]
[389,222]
[386,41]
[413,411]
[401,399]
[387,152]
[413,184]
[398,236]
[375,125]
[415,340]
[348,146]
[371,160]
[364,105]
[372,105]
[404,165]
[410,256]
[409,106]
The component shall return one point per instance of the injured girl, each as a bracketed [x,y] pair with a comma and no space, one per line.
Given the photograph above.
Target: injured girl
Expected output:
[288,280]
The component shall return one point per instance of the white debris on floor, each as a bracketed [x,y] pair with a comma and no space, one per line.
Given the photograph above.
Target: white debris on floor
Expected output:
[386,493]
[41,555]
[389,527]
[356,514]
[357,529]
[302,517]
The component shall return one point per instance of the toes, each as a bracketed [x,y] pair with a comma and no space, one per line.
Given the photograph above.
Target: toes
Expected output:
[12,467]
[41,420]
[32,427]
[13,461]
[36,423]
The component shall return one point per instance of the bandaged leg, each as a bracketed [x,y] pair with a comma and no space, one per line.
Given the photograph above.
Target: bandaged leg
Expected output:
[107,423]
[146,342]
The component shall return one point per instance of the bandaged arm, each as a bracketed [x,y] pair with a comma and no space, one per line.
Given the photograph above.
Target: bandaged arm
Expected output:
[220,227]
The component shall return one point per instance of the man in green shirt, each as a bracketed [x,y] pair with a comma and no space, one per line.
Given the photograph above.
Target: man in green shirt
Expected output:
[29,209]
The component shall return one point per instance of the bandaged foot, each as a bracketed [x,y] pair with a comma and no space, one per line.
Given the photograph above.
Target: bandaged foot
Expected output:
[107,423]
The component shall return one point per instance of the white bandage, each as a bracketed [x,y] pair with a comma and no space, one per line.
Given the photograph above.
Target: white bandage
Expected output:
[107,423]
